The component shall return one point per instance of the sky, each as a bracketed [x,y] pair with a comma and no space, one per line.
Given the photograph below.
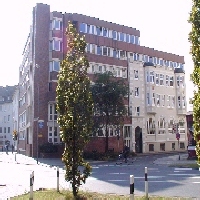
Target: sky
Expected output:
[163,26]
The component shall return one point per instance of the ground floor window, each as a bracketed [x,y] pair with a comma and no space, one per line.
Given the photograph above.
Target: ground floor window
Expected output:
[151,147]
[53,134]
[162,146]
[182,145]
[173,146]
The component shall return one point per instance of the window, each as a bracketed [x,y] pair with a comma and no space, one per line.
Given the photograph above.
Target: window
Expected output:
[163,100]
[57,25]
[151,77]
[122,54]
[93,29]
[105,32]
[0,129]
[183,102]
[87,48]
[162,122]
[151,147]
[136,40]
[137,111]
[171,83]
[179,101]
[8,118]
[162,146]
[122,37]
[127,38]
[148,99]
[56,45]
[1,108]
[168,100]
[147,77]
[92,48]
[157,79]
[132,39]
[178,81]
[53,134]
[114,35]
[136,74]
[153,99]
[173,146]
[182,81]
[54,66]
[136,91]
[161,79]
[115,53]
[136,56]
[4,129]
[158,100]
[99,50]
[100,68]
[52,113]
[8,129]
[151,128]
[167,80]
[4,118]
[105,51]
[182,145]
[83,27]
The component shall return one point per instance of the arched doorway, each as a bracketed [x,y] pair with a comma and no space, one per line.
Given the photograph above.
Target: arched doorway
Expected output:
[138,139]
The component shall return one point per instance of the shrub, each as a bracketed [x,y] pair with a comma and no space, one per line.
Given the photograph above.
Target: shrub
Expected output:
[48,148]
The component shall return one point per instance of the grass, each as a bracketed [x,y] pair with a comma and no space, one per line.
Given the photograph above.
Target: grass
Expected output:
[189,165]
[65,195]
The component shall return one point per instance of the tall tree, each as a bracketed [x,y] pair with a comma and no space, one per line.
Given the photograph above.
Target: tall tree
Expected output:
[75,108]
[108,95]
[194,38]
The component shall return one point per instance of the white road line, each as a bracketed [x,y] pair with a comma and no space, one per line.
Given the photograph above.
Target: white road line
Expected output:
[183,169]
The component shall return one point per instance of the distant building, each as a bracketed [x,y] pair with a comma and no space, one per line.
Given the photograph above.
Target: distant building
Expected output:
[6,115]
[156,81]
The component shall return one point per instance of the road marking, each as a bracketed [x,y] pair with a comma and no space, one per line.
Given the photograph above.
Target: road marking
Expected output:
[195,177]
[183,169]
[195,182]
[118,173]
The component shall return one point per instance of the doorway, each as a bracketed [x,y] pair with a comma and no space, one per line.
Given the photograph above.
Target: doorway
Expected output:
[138,140]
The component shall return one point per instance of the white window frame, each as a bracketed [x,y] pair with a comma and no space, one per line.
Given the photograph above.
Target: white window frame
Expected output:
[163,100]
[167,80]
[54,24]
[153,99]
[158,100]
[52,113]
[136,75]
[161,79]
[148,98]
[136,91]
[157,79]
[137,110]
[183,101]
[179,101]
[53,45]
[151,77]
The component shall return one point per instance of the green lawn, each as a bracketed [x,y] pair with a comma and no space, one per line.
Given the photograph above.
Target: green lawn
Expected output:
[64,195]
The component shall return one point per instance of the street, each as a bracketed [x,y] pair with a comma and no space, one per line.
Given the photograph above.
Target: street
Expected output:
[107,177]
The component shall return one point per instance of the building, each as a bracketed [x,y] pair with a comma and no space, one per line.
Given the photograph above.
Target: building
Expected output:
[155,78]
[6,115]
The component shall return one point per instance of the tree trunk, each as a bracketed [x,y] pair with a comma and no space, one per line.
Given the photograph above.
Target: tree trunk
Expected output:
[106,143]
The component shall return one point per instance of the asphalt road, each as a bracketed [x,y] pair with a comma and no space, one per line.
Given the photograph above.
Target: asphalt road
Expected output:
[105,178]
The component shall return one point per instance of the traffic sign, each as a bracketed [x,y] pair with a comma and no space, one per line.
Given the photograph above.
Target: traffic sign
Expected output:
[178,136]
[40,123]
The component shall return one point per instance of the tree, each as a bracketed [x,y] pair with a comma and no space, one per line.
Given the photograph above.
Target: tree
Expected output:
[108,95]
[75,108]
[194,38]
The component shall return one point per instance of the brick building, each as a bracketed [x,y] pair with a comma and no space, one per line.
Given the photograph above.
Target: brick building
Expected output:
[151,75]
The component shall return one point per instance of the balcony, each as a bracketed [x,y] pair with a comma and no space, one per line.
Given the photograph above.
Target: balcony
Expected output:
[151,109]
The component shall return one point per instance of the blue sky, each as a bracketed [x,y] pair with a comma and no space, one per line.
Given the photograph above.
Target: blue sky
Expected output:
[162,23]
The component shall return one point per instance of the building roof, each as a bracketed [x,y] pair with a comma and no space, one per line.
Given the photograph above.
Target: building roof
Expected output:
[6,93]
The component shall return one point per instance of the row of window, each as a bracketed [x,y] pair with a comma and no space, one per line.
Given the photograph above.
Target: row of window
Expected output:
[5,129]
[102,31]
[5,98]
[163,123]
[5,119]
[5,108]
[22,119]
[164,100]
[117,71]
[121,54]
[162,146]
[161,79]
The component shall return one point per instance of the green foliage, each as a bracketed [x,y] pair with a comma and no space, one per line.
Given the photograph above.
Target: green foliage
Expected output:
[108,95]
[194,38]
[75,108]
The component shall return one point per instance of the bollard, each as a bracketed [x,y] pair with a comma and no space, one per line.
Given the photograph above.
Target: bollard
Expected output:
[31,185]
[131,187]
[57,179]
[146,183]
[15,157]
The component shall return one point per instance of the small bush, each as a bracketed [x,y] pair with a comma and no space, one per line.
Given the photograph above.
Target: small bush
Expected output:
[48,148]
